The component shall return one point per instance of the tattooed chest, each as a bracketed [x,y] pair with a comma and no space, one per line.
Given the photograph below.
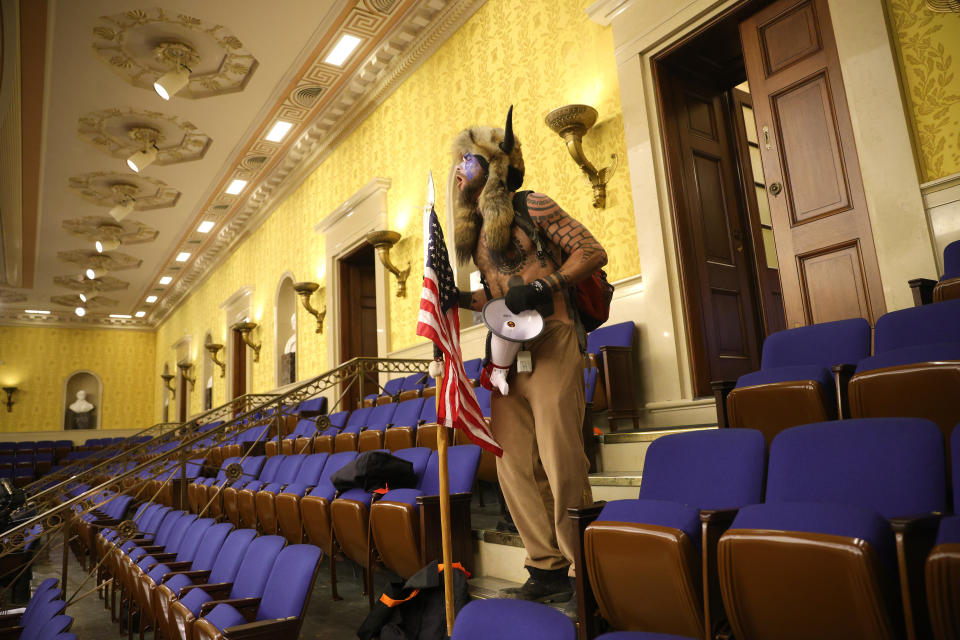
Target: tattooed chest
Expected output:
[512,261]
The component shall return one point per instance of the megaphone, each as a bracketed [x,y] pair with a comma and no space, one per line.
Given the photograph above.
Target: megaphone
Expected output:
[509,329]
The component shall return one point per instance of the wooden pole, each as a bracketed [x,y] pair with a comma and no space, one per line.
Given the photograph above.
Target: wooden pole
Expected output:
[445,517]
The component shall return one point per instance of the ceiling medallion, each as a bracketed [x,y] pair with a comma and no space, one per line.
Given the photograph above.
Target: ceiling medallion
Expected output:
[112,261]
[86,285]
[121,132]
[11,297]
[106,188]
[74,300]
[91,227]
[128,44]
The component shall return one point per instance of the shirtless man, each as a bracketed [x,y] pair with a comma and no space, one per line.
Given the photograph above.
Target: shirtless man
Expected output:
[543,470]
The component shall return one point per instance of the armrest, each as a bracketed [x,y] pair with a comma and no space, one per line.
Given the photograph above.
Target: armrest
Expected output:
[713,524]
[192,575]
[915,536]
[722,389]
[236,603]
[841,380]
[265,629]
[214,589]
[922,290]
[163,557]
[178,566]
[587,609]
[153,549]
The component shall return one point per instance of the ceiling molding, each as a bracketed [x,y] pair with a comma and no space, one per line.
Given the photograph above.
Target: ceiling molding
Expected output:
[425,26]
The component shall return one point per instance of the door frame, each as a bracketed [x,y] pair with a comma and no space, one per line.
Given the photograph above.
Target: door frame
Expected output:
[640,31]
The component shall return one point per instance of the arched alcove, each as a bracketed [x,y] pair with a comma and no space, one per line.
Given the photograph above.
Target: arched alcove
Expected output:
[75,413]
[207,374]
[285,331]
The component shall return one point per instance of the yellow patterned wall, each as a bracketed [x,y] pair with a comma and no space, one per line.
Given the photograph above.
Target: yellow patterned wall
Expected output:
[546,55]
[39,360]
[928,48]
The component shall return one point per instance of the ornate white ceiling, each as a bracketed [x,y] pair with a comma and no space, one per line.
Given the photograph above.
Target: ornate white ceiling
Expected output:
[252,63]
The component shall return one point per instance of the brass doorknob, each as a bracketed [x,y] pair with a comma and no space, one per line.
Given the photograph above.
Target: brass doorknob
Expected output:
[775,189]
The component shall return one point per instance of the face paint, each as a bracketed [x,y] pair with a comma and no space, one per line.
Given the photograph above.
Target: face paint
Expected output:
[469,167]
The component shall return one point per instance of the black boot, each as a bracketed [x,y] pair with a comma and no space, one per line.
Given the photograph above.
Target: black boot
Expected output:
[543,585]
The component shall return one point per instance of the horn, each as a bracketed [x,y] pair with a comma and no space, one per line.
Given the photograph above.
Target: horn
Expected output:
[507,145]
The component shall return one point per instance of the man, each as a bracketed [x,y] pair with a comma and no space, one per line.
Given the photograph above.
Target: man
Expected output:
[543,470]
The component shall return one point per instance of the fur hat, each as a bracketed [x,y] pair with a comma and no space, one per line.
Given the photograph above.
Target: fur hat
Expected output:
[500,150]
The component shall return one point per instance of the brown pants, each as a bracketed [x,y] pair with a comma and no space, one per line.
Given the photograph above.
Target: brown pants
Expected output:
[543,470]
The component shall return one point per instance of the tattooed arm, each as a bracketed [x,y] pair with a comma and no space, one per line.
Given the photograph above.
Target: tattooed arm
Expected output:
[584,253]
[472,300]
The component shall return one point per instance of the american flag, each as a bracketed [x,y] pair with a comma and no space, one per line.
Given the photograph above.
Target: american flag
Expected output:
[439,321]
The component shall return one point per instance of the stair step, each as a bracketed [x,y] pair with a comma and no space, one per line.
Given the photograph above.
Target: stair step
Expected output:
[626,451]
[615,485]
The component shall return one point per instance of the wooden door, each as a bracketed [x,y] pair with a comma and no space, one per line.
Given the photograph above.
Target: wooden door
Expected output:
[182,401]
[828,264]
[756,201]
[717,279]
[358,314]
[238,384]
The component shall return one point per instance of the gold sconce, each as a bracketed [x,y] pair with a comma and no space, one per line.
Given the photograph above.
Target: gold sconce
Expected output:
[382,241]
[245,328]
[305,290]
[185,368]
[10,391]
[168,383]
[214,349]
[571,123]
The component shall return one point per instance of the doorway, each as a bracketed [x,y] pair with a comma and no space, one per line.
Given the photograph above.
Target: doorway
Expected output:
[762,247]
[238,378]
[358,314]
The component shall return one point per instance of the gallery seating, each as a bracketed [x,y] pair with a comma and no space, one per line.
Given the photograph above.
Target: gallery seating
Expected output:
[943,565]
[611,353]
[506,619]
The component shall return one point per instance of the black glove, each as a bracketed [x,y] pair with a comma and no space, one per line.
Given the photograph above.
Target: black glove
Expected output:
[528,296]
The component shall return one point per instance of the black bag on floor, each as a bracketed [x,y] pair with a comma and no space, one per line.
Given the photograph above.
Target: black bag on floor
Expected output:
[414,610]
[375,470]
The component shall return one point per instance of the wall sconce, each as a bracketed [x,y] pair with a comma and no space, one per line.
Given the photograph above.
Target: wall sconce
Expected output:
[147,138]
[245,328]
[382,241]
[10,391]
[214,349]
[571,123]
[168,383]
[305,290]
[185,368]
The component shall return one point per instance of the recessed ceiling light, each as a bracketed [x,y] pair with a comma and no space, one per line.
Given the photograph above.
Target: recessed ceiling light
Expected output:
[37,311]
[279,131]
[205,226]
[183,256]
[342,51]
[120,315]
[140,314]
[151,299]
[236,187]
[166,279]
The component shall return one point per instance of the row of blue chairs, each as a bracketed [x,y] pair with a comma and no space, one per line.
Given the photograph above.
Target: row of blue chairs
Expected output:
[42,619]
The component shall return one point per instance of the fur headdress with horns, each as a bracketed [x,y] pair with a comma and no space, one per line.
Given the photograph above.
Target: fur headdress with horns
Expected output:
[500,150]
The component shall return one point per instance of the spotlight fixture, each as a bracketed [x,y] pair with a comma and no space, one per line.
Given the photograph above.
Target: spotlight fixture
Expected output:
[80,311]
[108,237]
[180,56]
[92,274]
[147,137]
[83,297]
[125,200]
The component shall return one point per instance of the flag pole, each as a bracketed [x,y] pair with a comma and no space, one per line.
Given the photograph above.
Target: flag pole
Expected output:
[444,474]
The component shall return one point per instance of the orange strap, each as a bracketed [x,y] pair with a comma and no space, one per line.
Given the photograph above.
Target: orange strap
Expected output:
[455,565]
[390,602]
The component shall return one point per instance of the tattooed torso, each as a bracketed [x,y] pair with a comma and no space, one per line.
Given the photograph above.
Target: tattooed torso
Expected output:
[561,235]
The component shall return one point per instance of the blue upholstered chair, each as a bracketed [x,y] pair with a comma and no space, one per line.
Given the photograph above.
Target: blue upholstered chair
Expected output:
[943,565]
[278,613]
[250,581]
[510,619]
[645,558]
[224,570]
[819,558]
[915,369]
[795,383]
[402,516]
[306,478]
[611,354]
[403,432]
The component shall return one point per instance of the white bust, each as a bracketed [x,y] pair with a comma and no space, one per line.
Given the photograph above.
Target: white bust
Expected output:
[80,405]
[291,346]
